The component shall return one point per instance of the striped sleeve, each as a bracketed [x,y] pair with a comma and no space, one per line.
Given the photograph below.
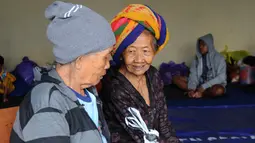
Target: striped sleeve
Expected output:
[47,125]
[38,121]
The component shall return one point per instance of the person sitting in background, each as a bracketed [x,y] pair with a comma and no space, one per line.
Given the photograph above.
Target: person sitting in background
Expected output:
[140,33]
[6,81]
[207,73]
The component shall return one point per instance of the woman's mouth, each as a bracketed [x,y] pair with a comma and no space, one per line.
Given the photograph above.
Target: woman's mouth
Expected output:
[138,67]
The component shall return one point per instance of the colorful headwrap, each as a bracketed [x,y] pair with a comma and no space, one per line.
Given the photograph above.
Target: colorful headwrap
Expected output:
[131,22]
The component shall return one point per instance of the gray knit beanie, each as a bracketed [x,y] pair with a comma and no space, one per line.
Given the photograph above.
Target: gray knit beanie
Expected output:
[76,30]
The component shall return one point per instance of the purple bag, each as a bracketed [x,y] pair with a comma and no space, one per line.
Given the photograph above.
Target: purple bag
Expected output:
[171,69]
[25,70]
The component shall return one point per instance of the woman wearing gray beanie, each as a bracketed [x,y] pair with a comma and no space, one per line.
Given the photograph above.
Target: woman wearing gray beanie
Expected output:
[64,106]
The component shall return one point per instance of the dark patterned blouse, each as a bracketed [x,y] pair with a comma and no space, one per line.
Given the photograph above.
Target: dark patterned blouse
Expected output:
[118,94]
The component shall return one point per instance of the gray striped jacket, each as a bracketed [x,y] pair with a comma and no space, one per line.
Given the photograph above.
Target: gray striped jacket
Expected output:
[51,113]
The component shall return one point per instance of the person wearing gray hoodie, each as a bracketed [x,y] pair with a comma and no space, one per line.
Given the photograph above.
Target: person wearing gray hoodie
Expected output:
[207,73]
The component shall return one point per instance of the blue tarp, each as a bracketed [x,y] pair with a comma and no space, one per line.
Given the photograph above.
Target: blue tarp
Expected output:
[214,124]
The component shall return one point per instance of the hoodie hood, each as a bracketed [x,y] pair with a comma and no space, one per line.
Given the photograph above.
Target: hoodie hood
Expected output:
[208,39]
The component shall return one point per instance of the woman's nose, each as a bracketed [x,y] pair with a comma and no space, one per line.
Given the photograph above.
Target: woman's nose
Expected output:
[139,58]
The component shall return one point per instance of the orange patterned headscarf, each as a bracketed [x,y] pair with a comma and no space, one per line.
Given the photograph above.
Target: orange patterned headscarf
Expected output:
[131,22]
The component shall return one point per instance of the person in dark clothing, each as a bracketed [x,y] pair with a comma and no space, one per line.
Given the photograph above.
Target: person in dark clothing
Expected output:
[133,83]
[207,73]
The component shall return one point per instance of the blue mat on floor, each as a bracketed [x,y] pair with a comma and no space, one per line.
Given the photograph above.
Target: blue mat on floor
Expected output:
[227,119]
[214,123]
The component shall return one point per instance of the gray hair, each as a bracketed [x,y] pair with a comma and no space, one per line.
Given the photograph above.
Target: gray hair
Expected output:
[155,43]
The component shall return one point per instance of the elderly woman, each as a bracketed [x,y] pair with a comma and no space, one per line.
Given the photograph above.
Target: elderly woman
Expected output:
[64,107]
[140,33]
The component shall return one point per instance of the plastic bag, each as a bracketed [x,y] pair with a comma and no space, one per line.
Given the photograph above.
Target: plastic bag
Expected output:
[135,121]
[25,70]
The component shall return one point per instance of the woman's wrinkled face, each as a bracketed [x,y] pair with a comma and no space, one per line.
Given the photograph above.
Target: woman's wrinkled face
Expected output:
[139,55]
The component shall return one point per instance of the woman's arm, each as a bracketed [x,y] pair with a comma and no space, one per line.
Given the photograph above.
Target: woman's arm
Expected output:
[121,102]
[166,130]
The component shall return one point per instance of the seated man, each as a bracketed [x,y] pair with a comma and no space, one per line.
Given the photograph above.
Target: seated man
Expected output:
[64,107]
[6,81]
[207,73]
